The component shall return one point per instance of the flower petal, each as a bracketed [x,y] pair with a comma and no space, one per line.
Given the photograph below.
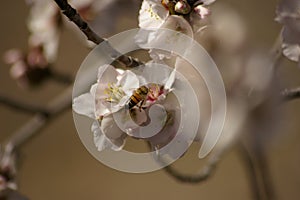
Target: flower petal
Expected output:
[156,73]
[107,74]
[152,14]
[129,82]
[170,81]
[110,128]
[102,142]
[202,11]
[85,105]
[292,51]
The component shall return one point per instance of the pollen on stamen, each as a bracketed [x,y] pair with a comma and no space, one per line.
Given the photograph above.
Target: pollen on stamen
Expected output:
[114,92]
[152,13]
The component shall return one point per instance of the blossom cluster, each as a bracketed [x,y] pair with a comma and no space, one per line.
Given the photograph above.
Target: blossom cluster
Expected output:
[109,104]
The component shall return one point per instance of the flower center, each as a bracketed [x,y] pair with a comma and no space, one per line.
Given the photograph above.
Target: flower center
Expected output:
[115,93]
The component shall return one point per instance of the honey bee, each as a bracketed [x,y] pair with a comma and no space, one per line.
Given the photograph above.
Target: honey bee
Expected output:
[140,95]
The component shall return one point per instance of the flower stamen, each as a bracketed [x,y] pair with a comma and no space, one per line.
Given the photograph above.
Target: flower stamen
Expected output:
[115,93]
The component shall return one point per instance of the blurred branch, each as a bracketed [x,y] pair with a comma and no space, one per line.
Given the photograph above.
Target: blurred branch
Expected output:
[251,169]
[276,52]
[291,94]
[60,77]
[74,16]
[9,194]
[203,175]
[258,170]
[57,106]
[264,173]
[32,127]
[21,105]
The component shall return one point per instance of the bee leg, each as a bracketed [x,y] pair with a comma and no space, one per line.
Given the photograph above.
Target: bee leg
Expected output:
[141,105]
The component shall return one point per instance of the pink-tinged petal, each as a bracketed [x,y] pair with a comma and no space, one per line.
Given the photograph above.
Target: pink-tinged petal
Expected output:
[85,105]
[12,56]
[43,24]
[182,7]
[202,11]
[18,70]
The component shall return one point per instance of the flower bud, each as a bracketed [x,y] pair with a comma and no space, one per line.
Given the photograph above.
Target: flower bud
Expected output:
[182,7]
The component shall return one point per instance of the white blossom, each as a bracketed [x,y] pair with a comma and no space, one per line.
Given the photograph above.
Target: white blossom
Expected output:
[107,100]
[288,14]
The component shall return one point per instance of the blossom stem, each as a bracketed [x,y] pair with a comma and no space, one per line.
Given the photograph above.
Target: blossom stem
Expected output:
[74,16]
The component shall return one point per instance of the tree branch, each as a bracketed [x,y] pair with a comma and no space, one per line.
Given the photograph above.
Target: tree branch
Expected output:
[32,127]
[61,77]
[257,164]
[291,94]
[21,105]
[40,120]
[74,16]
[251,169]
[203,175]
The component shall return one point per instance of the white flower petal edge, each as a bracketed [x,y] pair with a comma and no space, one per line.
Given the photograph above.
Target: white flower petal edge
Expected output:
[152,14]
[292,51]
[84,105]
[102,142]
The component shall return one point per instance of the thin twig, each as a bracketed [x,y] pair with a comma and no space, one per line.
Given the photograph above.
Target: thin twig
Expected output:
[291,94]
[74,16]
[251,169]
[21,105]
[264,171]
[258,168]
[203,175]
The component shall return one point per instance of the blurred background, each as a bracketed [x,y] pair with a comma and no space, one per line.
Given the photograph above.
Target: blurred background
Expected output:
[55,164]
